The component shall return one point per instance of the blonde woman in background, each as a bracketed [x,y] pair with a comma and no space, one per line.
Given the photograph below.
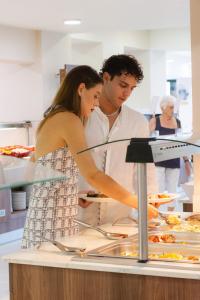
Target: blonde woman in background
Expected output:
[167,124]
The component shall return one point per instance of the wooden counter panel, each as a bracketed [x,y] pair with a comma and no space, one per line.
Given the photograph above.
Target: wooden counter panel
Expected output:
[46,283]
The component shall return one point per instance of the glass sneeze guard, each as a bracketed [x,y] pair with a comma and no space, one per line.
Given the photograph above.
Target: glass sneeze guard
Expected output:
[17,172]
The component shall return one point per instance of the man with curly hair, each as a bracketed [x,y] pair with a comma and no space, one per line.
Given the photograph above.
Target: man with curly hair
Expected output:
[114,120]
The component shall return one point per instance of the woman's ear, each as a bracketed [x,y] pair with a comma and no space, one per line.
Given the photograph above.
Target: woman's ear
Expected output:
[81,88]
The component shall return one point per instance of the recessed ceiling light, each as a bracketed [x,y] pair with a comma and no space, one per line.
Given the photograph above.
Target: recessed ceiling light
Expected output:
[72,22]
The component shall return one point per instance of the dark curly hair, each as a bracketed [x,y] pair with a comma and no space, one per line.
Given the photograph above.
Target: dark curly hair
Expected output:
[117,65]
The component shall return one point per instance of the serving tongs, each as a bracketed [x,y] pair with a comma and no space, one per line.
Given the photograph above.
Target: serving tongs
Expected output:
[64,248]
[108,235]
[129,221]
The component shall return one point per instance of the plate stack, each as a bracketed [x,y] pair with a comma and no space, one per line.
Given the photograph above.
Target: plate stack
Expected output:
[18,200]
[28,190]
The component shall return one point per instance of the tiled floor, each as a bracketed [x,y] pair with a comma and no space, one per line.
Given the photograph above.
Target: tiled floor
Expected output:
[4,278]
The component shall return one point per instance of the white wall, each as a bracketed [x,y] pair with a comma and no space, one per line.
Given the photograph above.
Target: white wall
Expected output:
[170,39]
[20,92]
[20,81]
[158,72]
[178,66]
[18,45]
[115,42]
[87,52]
[30,60]
[153,85]
[55,52]
[140,97]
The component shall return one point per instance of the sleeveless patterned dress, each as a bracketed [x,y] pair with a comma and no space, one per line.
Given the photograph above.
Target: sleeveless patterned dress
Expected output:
[53,205]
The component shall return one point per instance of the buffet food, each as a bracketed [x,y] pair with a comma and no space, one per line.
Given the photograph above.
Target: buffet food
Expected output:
[194,219]
[163,238]
[163,246]
[173,220]
[16,150]
[165,256]
[161,197]
[185,227]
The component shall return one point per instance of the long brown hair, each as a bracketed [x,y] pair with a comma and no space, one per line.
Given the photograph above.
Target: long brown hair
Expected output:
[67,97]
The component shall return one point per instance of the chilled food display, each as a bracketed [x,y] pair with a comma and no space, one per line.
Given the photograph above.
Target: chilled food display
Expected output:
[16,150]
[17,172]
[168,248]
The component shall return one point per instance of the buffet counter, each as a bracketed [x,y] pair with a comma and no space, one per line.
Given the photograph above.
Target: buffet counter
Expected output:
[47,273]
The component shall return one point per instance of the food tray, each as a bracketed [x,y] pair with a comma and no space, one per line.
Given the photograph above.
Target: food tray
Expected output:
[128,249]
[181,228]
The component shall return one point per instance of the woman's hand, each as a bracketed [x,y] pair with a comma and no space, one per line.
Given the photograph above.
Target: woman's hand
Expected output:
[83,203]
[187,168]
[152,212]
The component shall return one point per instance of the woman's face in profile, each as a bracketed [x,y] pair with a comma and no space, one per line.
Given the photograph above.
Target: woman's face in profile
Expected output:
[89,99]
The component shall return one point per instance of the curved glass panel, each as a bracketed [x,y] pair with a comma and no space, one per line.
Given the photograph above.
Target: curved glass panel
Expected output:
[16,172]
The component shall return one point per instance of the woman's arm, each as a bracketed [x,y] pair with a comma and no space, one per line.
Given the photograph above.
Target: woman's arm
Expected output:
[152,124]
[73,134]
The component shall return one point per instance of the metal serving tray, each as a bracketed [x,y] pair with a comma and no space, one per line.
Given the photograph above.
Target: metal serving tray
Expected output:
[181,238]
[184,227]
[128,249]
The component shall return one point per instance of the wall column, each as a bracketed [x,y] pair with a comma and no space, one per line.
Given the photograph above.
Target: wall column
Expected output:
[195,47]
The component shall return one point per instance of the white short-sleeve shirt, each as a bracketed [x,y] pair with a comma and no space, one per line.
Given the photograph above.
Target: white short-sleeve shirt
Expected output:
[111,158]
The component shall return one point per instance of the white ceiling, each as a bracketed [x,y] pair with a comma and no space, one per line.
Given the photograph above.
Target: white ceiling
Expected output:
[96,15]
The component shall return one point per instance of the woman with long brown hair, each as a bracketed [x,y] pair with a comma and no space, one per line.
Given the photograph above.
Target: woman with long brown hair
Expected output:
[60,136]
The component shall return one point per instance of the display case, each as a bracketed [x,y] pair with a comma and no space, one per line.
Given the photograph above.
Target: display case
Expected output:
[17,173]
[26,125]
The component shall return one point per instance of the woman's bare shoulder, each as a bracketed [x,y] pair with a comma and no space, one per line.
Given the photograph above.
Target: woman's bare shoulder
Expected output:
[67,122]
[64,119]
[65,115]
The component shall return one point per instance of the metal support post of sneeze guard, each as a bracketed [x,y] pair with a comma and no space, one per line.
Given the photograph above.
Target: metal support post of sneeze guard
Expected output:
[142,212]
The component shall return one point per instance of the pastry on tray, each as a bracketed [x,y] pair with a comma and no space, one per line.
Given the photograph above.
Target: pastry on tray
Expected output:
[164,238]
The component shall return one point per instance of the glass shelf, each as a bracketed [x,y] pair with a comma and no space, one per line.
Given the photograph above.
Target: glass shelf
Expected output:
[17,172]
